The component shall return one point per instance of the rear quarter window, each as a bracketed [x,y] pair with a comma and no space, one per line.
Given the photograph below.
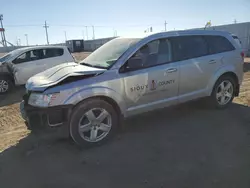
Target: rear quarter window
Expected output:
[218,44]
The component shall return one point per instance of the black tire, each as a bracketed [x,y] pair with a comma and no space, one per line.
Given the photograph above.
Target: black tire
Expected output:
[7,80]
[213,100]
[80,110]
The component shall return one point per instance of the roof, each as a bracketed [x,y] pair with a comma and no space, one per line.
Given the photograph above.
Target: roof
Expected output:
[177,33]
[39,47]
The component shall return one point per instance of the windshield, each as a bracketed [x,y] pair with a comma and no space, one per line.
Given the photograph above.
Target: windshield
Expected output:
[107,54]
[5,57]
[9,55]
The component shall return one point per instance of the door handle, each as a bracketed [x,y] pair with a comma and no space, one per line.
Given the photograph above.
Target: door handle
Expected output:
[171,70]
[212,61]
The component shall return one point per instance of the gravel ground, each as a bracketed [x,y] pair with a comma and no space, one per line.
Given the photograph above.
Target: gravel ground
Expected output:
[184,146]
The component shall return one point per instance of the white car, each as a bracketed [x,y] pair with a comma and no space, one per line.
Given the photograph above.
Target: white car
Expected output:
[19,65]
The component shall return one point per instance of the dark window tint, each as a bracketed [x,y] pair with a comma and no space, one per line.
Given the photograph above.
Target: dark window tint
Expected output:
[218,44]
[52,52]
[188,47]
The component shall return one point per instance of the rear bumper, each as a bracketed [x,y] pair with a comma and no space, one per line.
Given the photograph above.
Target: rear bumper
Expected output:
[45,118]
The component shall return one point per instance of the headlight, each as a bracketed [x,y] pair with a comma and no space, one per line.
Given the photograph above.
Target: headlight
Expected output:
[41,100]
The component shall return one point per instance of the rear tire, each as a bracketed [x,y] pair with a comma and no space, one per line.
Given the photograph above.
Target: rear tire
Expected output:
[6,85]
[223,92]
[93,122]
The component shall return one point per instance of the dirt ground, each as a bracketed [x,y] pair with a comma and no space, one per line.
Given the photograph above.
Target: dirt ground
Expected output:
[182,146]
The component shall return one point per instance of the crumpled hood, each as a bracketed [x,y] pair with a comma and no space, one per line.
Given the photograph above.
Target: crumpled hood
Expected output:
[56,74]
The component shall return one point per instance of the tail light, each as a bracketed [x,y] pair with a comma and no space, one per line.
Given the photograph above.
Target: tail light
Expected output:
[242,55]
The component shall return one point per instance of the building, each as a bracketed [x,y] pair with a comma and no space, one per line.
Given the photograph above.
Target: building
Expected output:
[75,45]
[91,45]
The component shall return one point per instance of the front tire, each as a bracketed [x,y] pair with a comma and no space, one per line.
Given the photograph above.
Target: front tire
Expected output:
[93,122]
[223,92]
[6,85]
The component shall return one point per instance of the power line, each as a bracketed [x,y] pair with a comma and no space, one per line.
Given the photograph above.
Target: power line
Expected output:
[79,25]
[32,25]
[46,31]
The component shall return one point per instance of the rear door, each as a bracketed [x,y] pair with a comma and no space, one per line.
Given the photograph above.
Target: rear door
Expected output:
[220,49]
[27,64]
[196,67]
[155,83]
[54,56]
[200,57]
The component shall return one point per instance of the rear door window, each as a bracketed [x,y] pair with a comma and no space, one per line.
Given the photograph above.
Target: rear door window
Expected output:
[188,47]
[52,52]
[218,44]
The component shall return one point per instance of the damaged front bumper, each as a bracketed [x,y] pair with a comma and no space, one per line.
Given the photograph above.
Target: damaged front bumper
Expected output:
[45,118]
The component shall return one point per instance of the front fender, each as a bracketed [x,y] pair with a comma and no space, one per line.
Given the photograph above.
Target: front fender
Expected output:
[217,74]
[86,93]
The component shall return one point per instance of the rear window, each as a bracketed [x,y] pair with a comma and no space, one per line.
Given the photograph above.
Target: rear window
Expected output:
[188,47]
[218,44]
[53,52]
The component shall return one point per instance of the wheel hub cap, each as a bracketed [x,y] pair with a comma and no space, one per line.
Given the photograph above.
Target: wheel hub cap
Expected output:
[224,92]
[3,86]
[95,125]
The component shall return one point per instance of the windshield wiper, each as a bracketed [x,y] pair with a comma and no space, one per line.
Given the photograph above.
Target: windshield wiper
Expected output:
[95,66]
[86,64]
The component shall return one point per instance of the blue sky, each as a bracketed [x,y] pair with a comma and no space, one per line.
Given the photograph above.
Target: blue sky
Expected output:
[126,17]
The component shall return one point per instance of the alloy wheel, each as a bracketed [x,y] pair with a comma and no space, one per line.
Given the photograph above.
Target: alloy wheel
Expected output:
[95,125]
[4,86]
[224,92]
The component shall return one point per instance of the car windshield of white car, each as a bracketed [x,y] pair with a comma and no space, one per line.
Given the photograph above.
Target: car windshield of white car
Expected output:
[106,55]
[9,55]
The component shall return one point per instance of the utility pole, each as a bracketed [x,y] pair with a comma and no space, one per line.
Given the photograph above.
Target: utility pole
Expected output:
[165,24]
[46,31]
[87,32]
[16,41]
[27,43]
[65,35]
[2,32]
[93,28]
[83,35]
[19,41]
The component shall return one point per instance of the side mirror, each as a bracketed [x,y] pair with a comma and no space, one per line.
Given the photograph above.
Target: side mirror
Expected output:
[133,63]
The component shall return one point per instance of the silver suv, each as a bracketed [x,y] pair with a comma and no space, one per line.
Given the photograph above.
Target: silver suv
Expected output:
[129,76]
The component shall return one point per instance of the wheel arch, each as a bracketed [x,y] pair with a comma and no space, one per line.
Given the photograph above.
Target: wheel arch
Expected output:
[9,76]
[227,73]
[225,70]
[231,74]
[108,95]
[109,100]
